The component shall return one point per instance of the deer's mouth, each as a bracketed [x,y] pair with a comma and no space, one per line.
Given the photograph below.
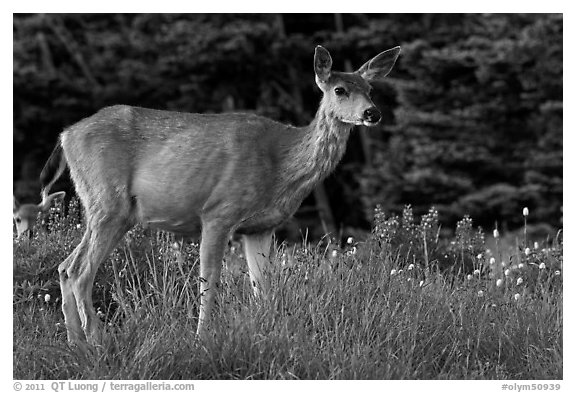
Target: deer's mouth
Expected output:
[370,123]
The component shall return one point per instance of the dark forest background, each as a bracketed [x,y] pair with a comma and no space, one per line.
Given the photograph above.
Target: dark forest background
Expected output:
[472,110]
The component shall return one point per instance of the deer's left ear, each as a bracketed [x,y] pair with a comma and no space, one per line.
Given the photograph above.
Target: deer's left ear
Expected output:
[379,66]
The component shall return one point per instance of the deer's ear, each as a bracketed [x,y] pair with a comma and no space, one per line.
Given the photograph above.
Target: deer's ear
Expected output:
[15,204]
[45,205]
[322,64]
[380,65]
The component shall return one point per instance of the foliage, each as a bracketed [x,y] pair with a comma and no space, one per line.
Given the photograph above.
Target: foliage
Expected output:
[369,311]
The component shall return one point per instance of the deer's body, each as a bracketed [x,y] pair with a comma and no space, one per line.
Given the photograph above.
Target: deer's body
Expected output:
[174,168]
[200,174]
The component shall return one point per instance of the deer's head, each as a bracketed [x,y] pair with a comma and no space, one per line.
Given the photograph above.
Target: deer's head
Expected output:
[25,214]
[347,94]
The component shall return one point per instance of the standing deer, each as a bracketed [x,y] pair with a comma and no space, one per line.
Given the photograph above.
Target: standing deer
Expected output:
[207,174]
[26,214]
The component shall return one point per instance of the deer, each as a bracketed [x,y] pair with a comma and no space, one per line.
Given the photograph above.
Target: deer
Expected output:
[193,174]
[26,214]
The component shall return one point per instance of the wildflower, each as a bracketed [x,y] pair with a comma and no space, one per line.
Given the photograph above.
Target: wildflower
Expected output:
[503,264]
[421,283]
[78,226]
[47,297]
[542,266]
[517,297]
[393,272]
[175,246]
[557,273]
[527,251]
[476,272]
[499,282]
[350,240]
[507,272]
[409,279]
[496,234]
[479,256]
[334,253]
[353,251]
[536,245]
[400,271]
[519,281]
[492,261]
[520,265]
[480,293]
[411,266]
[525,212]
[469,277]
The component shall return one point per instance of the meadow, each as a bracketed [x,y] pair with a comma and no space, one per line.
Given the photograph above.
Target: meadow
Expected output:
[403,303]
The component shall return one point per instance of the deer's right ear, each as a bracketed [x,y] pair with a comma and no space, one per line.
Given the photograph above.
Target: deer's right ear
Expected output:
[45,204]
[15,204]
[322,64]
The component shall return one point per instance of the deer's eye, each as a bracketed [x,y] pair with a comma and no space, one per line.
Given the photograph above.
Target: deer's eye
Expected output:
[340,91]
[18,220]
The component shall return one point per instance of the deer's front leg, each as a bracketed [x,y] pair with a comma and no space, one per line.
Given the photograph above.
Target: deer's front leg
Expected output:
[257,250]
[213,242]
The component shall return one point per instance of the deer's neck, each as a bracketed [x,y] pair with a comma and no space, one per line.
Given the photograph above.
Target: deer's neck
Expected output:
[316,153]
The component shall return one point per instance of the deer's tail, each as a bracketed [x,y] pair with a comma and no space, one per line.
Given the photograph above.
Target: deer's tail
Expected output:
[52,171]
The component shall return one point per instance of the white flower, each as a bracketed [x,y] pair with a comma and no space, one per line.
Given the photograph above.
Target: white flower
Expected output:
[517,297]
[469,277]
[408,279]
[519,281]
[477,272]
[503,264]
[499,282]
[520,265]
[479,256]
[525,211]
[350,240]
[421,282]
[334,253]
[542,266]
[47,297]
[78,226]
[557,272]
[527,251]
[175,246]
[393,272]
[480,293]
[400,271]
[353,251]
[507,272]
[536,245]
[492,261]
[411,266]
[496,234]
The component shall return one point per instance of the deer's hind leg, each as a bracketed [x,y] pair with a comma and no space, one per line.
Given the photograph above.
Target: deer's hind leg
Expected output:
[78,271]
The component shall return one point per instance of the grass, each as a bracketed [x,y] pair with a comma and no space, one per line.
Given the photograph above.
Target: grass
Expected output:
[402,304]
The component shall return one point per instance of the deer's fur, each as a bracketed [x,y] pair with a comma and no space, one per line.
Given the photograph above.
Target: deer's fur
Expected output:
[201,174]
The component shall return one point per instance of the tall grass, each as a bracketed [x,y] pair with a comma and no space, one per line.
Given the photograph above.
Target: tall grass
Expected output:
[401,304]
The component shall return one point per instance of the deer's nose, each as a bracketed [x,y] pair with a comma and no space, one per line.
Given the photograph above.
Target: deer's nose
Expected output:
[372,115]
